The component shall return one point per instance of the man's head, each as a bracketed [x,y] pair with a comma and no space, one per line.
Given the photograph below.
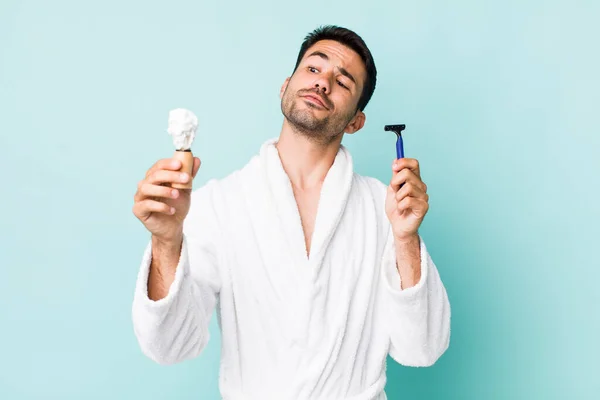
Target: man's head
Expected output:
[334,68]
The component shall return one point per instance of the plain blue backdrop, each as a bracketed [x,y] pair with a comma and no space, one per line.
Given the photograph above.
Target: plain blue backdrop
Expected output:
[501,103]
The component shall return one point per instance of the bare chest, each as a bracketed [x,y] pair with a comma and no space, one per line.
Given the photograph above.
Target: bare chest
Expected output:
[307,202]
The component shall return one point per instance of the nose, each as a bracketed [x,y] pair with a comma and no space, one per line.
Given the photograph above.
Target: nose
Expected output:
[322,84]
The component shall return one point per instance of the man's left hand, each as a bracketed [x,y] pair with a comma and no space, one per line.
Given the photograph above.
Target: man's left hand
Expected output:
[406,207]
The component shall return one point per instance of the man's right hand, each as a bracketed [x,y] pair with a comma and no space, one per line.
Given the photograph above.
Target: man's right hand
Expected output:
[158,206]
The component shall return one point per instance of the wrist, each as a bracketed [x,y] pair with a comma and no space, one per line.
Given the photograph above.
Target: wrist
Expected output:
[407,239]
[170,244]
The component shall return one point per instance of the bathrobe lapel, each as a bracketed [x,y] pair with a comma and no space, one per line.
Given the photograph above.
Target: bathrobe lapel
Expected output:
[332,203]
[279,238]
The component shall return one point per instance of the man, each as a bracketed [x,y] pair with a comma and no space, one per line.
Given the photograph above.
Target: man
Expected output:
[316,273]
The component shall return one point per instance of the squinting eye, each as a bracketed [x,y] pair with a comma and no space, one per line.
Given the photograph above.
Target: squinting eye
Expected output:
[342,85]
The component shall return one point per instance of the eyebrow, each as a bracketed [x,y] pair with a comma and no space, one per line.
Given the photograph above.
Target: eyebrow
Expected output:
[343,70]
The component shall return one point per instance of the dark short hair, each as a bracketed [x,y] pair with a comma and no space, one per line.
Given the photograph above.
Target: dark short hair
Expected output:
[353,41]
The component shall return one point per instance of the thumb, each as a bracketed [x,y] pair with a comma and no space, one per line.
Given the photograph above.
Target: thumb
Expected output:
[196,166]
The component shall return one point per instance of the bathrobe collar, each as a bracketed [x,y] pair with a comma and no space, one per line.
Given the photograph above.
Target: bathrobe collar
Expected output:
[332,203]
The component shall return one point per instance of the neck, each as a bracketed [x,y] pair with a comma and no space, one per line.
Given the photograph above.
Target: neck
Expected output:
[305,160]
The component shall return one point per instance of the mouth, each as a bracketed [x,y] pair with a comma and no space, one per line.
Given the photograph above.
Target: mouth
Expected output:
[316,100]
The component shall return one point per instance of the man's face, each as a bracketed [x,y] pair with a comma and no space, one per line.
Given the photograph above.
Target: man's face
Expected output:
[320,99]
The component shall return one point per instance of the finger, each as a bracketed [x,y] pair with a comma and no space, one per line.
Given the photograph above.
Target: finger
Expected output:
[197,163]
[412,190]
[165,176]
[398,179]
[148,190]
[410,163]
[165,163]
[143,209]
[417,206]
[405,176]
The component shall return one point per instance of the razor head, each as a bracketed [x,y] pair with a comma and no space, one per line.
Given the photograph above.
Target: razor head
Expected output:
[395,128]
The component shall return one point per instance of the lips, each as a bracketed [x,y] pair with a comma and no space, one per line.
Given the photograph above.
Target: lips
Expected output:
[317,100]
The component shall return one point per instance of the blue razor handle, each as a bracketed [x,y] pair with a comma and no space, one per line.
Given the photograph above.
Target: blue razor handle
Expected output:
[399,147]
[399,144]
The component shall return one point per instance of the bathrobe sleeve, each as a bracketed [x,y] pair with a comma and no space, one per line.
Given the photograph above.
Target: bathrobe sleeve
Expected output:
[175,328]
[418,317]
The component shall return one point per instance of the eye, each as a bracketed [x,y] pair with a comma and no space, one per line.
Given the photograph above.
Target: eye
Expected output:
[342,85]
[312,68]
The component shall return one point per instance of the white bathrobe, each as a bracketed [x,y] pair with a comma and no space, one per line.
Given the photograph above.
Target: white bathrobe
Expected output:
[293,326]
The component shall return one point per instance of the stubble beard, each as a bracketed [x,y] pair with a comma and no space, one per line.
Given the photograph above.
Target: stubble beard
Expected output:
[305,123]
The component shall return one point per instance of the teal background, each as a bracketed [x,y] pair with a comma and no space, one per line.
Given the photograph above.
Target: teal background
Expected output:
[501,102]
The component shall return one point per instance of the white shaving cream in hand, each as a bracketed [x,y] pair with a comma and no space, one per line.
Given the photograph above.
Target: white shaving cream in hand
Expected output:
[182,127]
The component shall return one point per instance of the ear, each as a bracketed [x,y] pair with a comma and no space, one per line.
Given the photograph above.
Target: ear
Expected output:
[356,123]
[283,87]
